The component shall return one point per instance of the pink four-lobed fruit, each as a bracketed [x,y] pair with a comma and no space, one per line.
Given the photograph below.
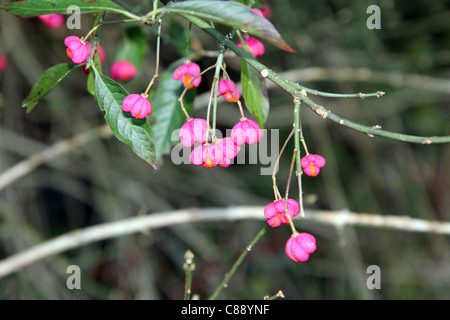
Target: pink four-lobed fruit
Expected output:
[138,105]
[186,73]
[193,130]
[228,89]
[275,213]
[312,163]
[300,246]
[246,131]
[77,51]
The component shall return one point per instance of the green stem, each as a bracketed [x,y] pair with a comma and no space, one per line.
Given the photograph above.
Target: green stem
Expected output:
[188,284]
[238,262]
[296,90]
[188,39]
[286,197]
[208,111]
[158,45]
[275,168]
[298,170]
[216,89]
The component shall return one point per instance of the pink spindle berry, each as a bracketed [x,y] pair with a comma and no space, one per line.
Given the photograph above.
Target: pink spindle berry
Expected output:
[246,131]
[3,63]
[204,155]
[193,130]
[53,20]
[275,214]
[138,105]
[76,49]
[312,163]
[300,246]
[123,70]
[228,89]
[256,46]
[225,150]
[186,73]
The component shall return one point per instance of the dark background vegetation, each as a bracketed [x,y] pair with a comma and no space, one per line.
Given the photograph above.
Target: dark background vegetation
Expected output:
[104,181]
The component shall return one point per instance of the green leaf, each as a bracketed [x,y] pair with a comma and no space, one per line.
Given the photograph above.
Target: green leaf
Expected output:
[137,133]
[133,46]
[255,93]
[233,14]
[32,8]
[167,110]
[49,79]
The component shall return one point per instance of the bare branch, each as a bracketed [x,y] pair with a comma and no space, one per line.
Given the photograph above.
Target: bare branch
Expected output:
[109,230]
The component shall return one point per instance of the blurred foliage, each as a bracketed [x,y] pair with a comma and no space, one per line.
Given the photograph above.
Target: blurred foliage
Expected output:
[104,181]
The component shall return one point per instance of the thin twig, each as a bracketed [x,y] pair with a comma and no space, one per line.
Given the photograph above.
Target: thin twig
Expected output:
[189,267]
[128,226]
[295,90]
[298,136]
[277,194]
[238,262]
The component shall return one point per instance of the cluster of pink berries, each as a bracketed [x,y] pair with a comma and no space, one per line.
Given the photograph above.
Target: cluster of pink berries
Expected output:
[78,50]
[220,151]
[189,73]
[300,245]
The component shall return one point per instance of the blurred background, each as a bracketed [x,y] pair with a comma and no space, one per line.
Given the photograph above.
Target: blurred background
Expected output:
[104,181]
